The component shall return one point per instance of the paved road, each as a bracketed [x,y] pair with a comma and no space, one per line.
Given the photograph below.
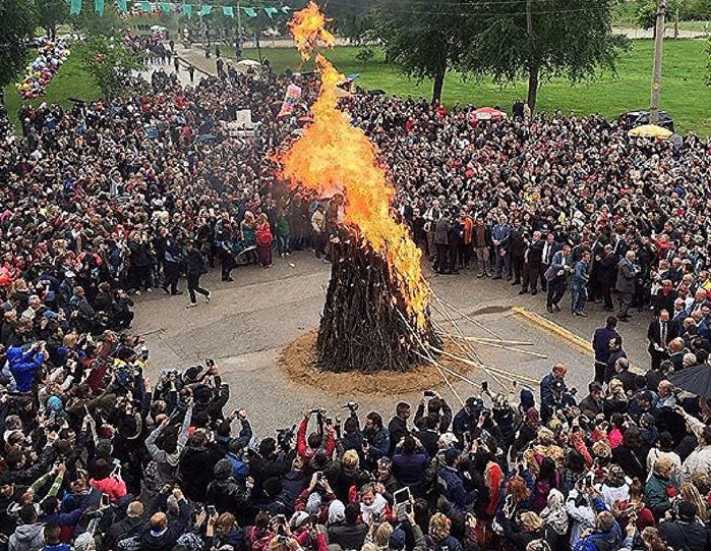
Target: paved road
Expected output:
[249,321]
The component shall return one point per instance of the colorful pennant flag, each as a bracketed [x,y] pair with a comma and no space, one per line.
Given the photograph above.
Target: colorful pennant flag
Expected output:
[205,9]
[187,10]
[285,9]
[99,7]
[122,5]
[75,7]
[228,11]
[146,7]
[251,12]
[270,12]
[165,7]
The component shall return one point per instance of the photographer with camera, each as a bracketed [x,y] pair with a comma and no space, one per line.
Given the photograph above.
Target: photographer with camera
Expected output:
[323,439]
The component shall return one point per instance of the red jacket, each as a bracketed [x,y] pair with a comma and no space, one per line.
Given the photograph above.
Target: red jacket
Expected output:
[114,487]
[302,447]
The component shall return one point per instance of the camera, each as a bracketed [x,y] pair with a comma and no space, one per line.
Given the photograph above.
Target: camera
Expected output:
[285,437]
[429,393]
[353,406]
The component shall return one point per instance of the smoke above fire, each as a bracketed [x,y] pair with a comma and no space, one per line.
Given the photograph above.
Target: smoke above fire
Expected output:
[331,156]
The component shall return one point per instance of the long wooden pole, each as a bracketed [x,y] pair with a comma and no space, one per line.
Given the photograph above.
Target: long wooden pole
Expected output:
[657,70]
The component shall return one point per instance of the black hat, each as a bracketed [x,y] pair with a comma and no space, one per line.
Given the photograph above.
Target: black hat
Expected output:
[687,510]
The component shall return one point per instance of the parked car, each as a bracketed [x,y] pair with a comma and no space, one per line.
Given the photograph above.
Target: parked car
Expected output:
[633,119]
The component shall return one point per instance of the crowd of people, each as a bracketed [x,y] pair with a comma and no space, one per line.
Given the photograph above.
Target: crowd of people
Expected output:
[51,54]
[110,199]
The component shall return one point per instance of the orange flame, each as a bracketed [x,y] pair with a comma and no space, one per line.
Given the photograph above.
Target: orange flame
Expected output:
[308,27]
[334,157]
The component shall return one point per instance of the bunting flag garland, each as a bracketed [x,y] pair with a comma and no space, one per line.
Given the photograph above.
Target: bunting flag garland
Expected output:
[75,7]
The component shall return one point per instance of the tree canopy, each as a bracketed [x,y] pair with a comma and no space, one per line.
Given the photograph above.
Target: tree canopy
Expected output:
[50,14]
[425,40]
[543,39]
[17,23]
[110,63]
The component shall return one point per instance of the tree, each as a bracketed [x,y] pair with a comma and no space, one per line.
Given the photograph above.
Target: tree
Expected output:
[92,24]
[647,14]
[353,20]
[541,39]
[50,14]
[110,63]
[17,22]
[425,40]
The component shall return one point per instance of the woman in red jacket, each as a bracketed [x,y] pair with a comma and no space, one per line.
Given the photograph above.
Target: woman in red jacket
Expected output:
[264,241]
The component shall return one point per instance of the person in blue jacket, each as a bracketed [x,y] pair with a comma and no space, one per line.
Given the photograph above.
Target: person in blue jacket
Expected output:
[24,365]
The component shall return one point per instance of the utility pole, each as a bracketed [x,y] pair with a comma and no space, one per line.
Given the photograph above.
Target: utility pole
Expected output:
[657,72]
[239,31]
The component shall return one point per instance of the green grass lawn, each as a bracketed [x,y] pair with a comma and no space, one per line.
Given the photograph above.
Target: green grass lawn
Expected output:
[71,81]
[700,26]
[684,94]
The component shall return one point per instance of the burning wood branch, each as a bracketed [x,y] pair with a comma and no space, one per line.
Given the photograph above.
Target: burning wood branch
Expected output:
[366,324]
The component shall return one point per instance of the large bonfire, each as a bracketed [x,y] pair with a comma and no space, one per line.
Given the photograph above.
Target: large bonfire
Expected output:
[376,315]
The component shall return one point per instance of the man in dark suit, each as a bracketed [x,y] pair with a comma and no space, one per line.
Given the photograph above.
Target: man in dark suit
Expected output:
[601,346]
[606,274]
[660,333]
[533,262]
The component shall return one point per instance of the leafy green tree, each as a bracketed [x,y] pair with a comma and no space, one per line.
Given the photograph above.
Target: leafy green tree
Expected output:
[92,24]
[51,14]
[110,63]
[17,23]
[646,14]
[354,19]
[424,40]
[541,39]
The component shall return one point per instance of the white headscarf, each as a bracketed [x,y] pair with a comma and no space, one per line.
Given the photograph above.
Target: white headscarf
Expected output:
[555,515]
[336,512]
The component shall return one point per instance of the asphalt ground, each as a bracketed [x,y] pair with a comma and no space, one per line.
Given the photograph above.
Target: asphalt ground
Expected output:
[248,322]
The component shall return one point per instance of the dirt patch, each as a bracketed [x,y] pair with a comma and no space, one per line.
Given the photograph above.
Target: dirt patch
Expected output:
[298,360]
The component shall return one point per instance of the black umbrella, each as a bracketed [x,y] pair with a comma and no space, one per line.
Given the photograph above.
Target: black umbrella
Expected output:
[696,380]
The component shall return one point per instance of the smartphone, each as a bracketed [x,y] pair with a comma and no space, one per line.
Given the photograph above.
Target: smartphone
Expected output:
[105,500]
[403,503]
[211,511]
[402,496]
[485,386]
[429,393]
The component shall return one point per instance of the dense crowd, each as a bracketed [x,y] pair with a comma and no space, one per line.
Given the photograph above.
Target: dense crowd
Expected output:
[41,70]
[113,198]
